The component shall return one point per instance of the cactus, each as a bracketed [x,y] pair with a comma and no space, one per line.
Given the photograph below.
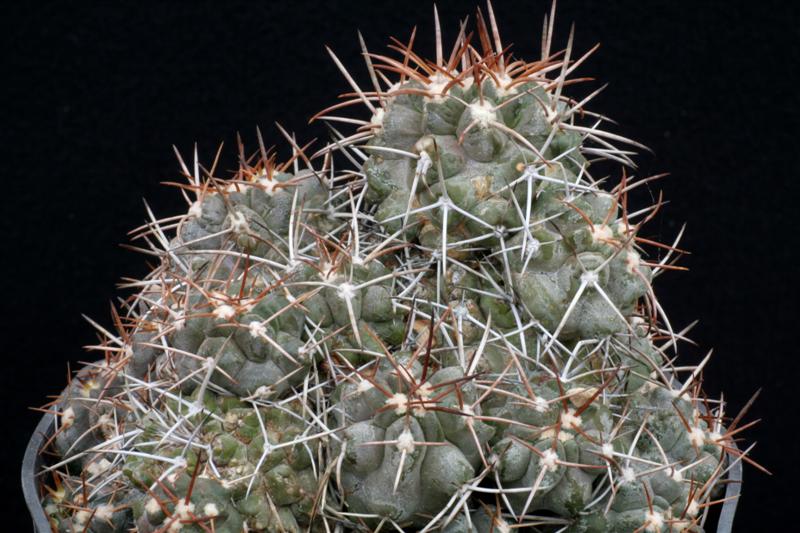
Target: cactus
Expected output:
[442,321]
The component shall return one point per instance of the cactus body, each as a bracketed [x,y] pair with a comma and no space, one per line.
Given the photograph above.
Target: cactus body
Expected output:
[454,330]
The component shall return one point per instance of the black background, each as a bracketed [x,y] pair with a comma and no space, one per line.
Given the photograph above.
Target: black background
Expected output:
[93,97]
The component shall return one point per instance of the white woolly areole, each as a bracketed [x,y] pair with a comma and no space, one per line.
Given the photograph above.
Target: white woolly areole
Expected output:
[500,525]
[589,277]
[225,312]
[581,395]
[183,511]
[653,521]
[461,311]
[607,450]
[419,409]
[238,222]
[549,460]
[502,85]
[304,353]
[210,510]
[104,512]
[400,403]
[98,467]
[326,270]
[81,517]
[483,113]
[268,185]
[257,329]
[67,417]
[377,117]
[697,436]
[237,187]
[263,391]
[196,209]
[653,384]
[152,507]
[532,246]
[422,146]
[601,233]
[405,442]
[693,508]
[290,266]
[569,419]
[551,433]
[632,261]
[628,474]
[540,404]
[623,228]
[346,291]
[424,391]
[436,87]
[677,475]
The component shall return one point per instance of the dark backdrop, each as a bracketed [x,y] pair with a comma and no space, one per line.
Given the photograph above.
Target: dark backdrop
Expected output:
[94,96]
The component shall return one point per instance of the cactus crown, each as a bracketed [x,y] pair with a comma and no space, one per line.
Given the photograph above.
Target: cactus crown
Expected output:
[441,321]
